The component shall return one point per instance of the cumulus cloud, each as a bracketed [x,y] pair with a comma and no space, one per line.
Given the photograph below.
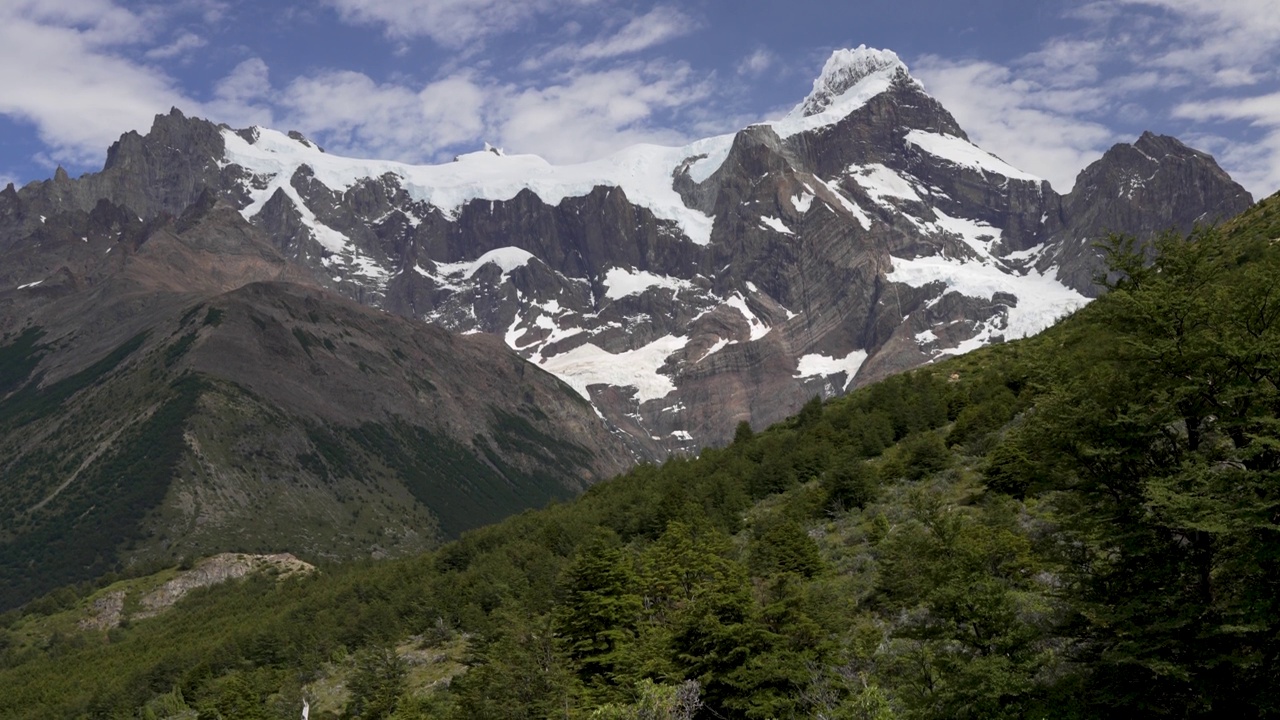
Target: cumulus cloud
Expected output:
[1201,69]
[1255,164]
[757,62]
[580,115]
[1207,37]
[103,75]
[81,94]
[451,23]
[243,96]
[1026,123]
[181,45]
[1223,57]
[352,114]
[1158,63]
[590,114]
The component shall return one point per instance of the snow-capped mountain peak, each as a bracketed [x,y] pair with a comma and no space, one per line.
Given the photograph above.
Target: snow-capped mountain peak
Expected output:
[844,71]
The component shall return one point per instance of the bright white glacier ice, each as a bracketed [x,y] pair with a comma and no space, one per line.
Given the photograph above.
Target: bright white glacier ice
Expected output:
[643,172]
[589,364]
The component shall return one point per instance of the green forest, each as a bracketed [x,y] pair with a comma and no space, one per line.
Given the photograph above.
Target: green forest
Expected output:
[1082,524]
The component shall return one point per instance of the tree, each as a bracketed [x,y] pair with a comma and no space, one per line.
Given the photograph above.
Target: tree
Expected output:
[783,547]
[849,485]
[377,685]
[600,611]
[519,673]
[1161,426]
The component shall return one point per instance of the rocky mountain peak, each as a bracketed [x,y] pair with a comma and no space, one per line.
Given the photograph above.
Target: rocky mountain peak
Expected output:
[1155,167]
[1142,189]
[843,71]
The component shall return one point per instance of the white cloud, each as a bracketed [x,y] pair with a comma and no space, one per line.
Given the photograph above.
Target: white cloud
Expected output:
[181,45]
[451,23]
[1261,109]
[1255,164]
[1030,126]
[243,96]
[640,33]
[352,114]
[1065,62]
[211,11]
[97,23]
[1157,63]
[757,62]
[1205,37]
[79,93]
[1223,57]
[653,28]
[581,115]
[589,114]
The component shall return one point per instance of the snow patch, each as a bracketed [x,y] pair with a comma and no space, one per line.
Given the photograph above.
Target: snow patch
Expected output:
[978,235]
[620,282]
[507,258]
[1026,255]
[588,365]
[1042,300]
[715,150]
[882,182]
[817,365]
[719,345]
[775,224]
[850,206]
[964,153]
[758,327]
[802,202]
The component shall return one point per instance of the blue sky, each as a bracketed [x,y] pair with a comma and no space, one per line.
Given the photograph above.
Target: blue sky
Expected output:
[1048,85]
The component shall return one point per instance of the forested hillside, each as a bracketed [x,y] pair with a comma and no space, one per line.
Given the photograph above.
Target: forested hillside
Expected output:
[1081,524]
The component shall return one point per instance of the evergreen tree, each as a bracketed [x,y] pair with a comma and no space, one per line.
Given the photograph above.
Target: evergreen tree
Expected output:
[1163,427]
[377,685]
[599,613]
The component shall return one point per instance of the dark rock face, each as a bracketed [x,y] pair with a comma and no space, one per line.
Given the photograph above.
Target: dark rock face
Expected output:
[861,236]
[1143,189]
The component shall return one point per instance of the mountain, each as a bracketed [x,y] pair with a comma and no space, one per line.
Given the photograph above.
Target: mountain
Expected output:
[1075,525]
[684,290]
[176,387]
[1154,185]
[233,340]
